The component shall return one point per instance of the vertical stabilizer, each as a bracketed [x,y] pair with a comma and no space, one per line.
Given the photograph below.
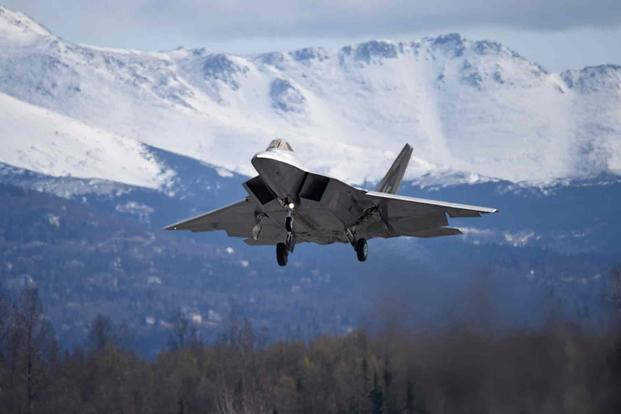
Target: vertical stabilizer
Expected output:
[392,180]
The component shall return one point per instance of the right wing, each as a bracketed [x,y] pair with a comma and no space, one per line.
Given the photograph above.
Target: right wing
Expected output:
[405,204]
[399,215]
[236,219]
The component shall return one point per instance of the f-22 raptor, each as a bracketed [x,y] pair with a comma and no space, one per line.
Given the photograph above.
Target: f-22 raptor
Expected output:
[288,204]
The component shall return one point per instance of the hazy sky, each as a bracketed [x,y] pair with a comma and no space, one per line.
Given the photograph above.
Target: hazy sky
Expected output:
[557,34]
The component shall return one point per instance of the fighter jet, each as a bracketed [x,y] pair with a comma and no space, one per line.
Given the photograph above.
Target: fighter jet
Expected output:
[288,204]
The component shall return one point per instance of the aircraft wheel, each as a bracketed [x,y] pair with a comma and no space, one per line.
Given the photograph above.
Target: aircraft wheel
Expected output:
[282,254]
[289,224]
[362,249]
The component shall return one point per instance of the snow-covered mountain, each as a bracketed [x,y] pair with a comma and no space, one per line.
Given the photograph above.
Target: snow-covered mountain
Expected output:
[37,139]
[470,107]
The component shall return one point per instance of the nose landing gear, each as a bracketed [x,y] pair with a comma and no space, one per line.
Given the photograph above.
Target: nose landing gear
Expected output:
[289,224]
[283,249]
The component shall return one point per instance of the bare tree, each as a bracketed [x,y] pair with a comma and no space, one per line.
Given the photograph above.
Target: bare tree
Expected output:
[30,342]
[184,332]
[102,333]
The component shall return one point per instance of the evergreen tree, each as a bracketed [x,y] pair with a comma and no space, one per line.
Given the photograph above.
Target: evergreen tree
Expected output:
[376,396]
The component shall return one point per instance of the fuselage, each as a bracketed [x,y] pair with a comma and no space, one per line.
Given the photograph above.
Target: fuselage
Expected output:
[282,171]
[318,219]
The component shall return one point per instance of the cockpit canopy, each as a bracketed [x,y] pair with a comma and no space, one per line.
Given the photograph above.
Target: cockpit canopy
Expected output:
[279,144]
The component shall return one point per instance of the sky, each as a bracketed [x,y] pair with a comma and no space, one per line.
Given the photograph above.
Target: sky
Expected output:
[557,34]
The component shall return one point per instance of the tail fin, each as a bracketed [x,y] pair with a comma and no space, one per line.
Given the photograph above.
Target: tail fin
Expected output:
[392,180]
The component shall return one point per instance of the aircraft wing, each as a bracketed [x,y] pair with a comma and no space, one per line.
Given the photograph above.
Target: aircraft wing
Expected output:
[411,216]
[236,219]
[400,202]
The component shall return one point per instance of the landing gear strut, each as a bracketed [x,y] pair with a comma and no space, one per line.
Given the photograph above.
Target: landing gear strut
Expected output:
[362,249]
[289,224]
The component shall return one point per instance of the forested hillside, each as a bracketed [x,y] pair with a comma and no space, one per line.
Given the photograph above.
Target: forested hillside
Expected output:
[553,368]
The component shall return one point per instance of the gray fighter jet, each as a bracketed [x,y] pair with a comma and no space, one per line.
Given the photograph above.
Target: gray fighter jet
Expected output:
[288,204]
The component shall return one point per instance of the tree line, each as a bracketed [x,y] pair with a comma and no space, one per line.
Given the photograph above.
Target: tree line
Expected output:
[559,367]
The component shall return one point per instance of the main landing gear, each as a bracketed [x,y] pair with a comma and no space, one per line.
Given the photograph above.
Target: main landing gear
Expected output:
[359,244]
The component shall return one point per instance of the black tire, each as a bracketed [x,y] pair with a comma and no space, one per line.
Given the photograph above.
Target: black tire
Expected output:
[289,224]
[362,249]
[282,255]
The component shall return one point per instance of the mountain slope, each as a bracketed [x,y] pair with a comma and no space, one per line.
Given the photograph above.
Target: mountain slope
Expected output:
[597,116]
[469,106]
[43,141]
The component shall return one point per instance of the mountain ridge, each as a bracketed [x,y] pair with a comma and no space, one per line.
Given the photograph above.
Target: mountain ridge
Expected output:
[475,107]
